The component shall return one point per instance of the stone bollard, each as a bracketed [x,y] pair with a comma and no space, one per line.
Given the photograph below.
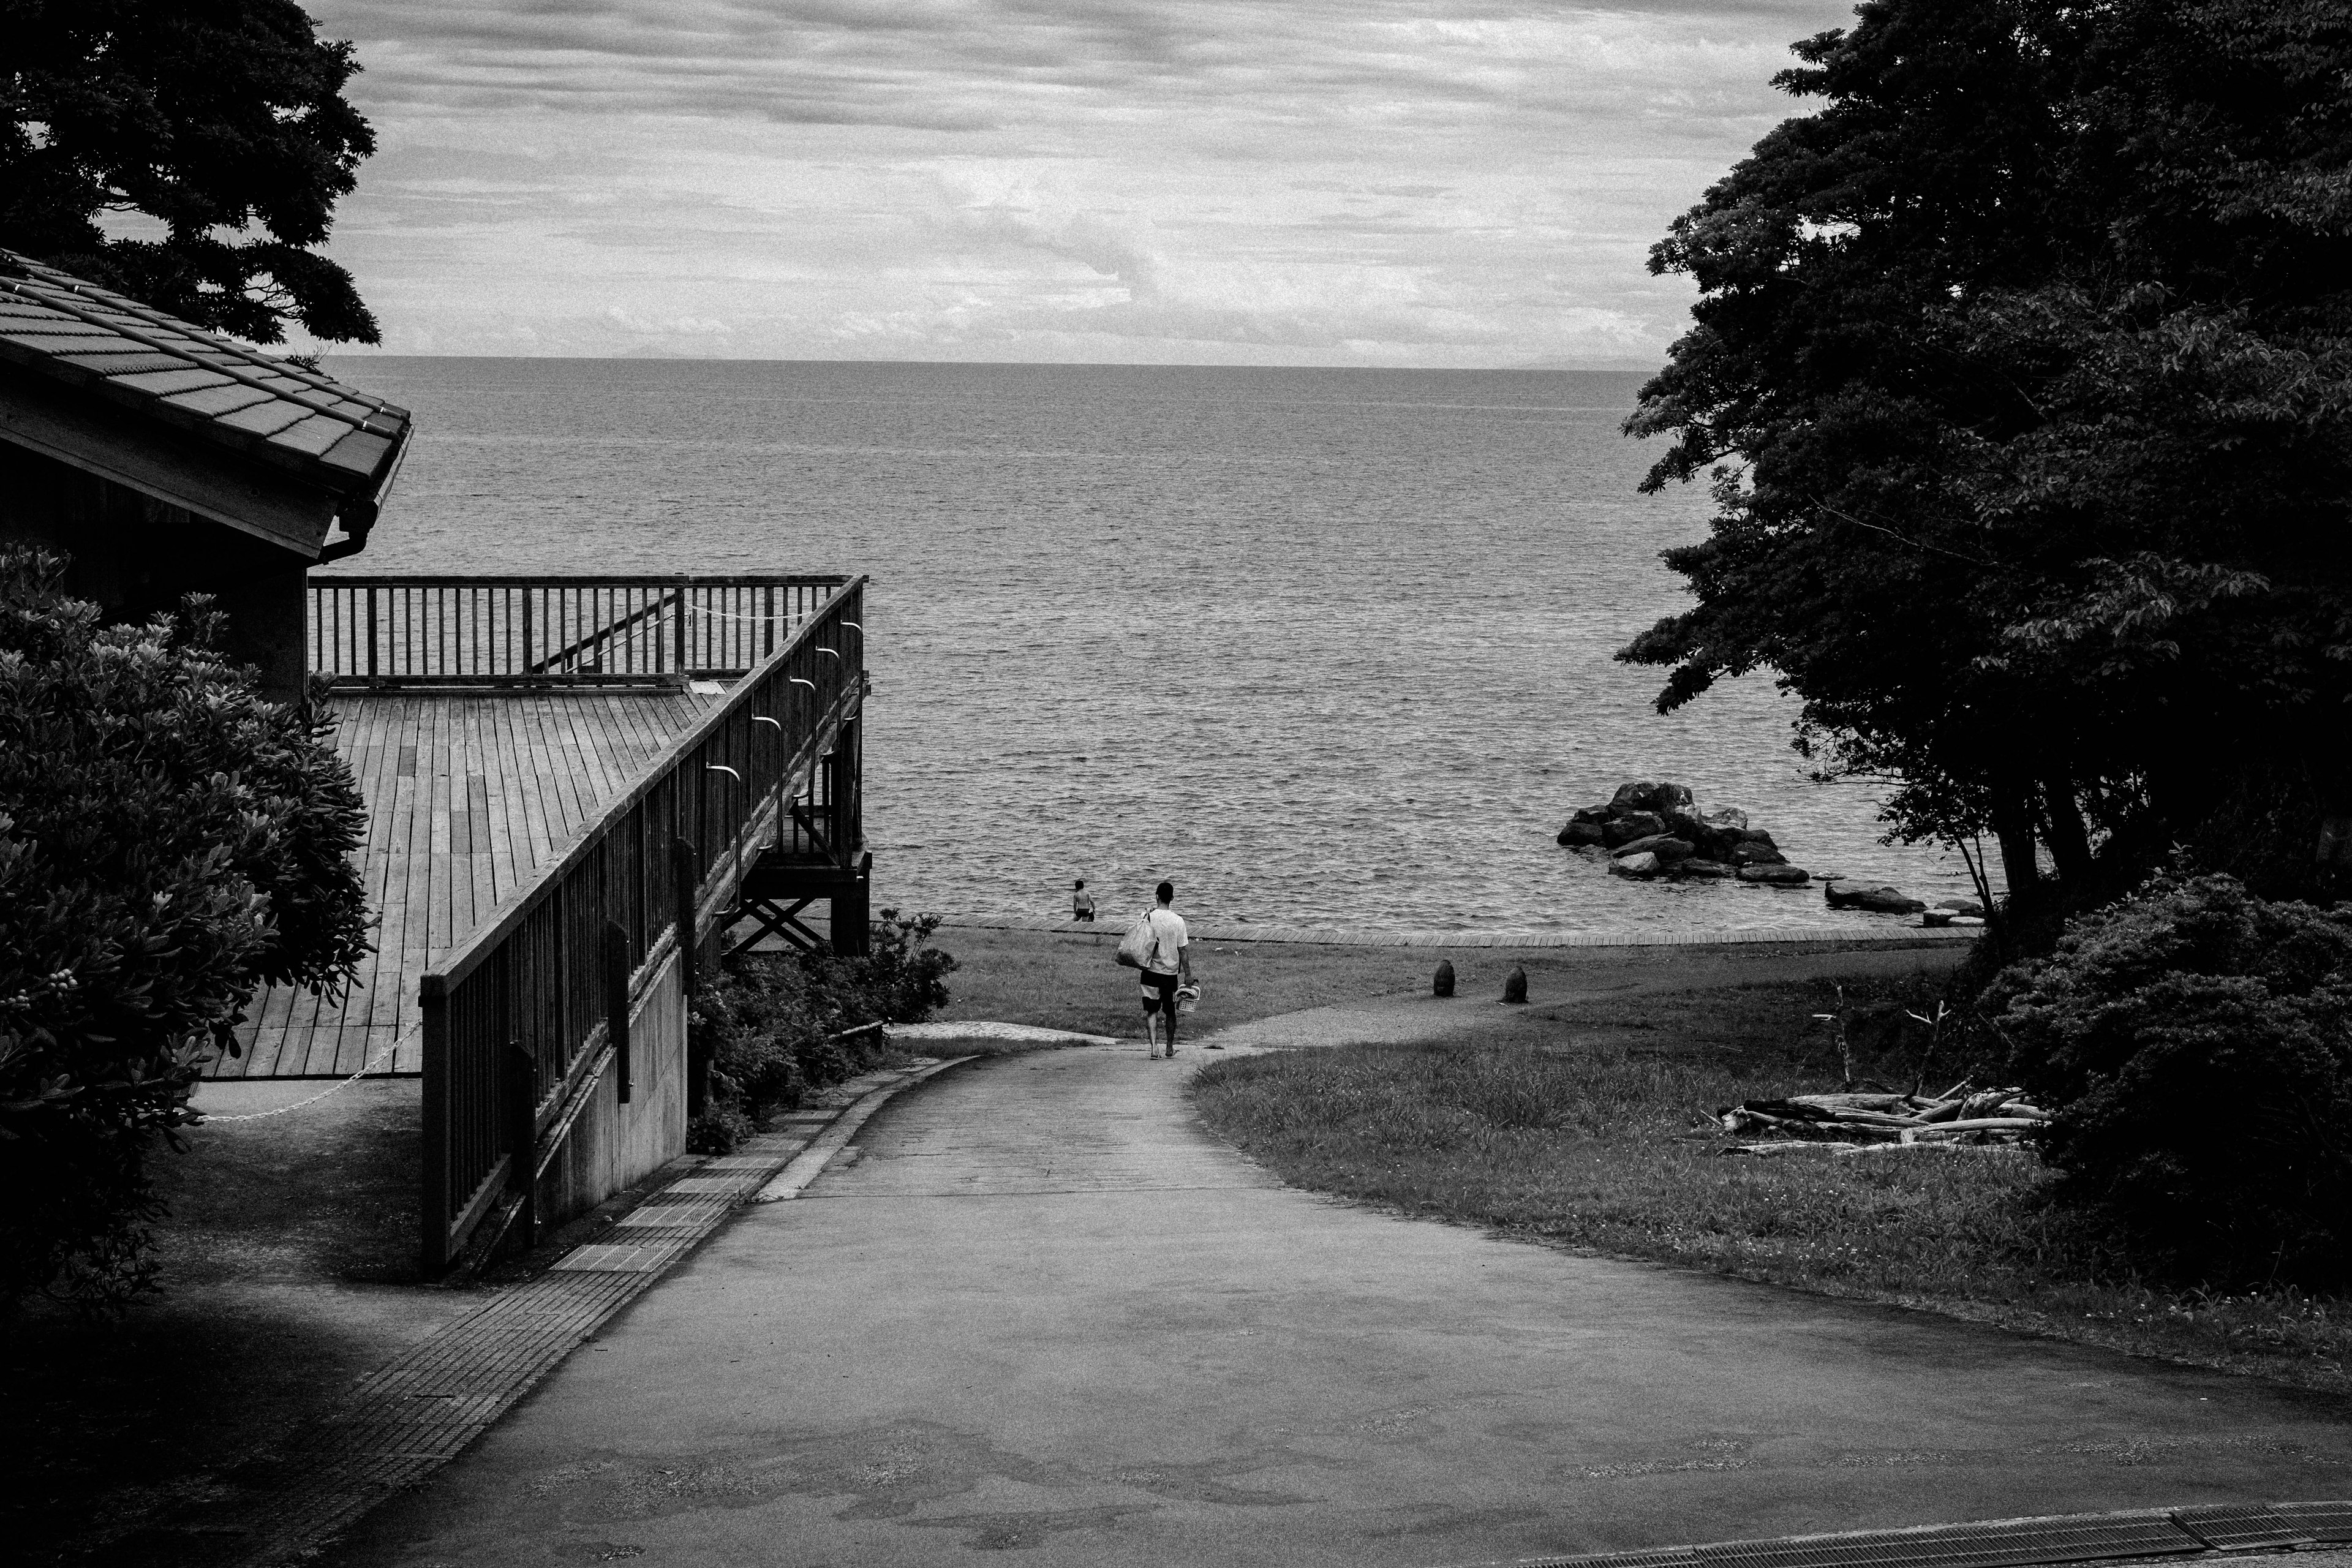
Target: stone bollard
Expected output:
[1443,984]
[1514,984]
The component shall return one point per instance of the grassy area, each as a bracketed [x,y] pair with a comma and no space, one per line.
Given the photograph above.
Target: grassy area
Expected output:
[1585,1128]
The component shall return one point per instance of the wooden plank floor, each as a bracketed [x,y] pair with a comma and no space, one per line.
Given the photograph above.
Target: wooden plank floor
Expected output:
[468,798]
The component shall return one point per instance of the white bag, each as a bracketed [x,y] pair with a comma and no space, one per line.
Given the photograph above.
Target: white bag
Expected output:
[1137,948]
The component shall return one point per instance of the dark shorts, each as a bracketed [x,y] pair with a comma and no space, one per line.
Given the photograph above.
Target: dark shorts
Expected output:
[1159,990]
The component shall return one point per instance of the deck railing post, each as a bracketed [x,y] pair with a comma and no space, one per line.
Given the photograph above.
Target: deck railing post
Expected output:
[522,1140]
[685,875]
[530,596]
[433,1005]
[371,633]
[616,1007]
[677,630]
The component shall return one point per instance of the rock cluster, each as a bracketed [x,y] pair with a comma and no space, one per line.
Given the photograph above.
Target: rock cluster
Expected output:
[1657,830]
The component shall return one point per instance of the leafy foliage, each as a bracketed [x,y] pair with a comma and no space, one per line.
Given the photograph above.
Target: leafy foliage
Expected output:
[767,1024]
[168,837]
[2023,374]
[2197,1043]
[223,119]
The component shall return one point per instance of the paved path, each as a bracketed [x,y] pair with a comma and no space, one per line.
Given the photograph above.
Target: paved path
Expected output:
[1043,1312]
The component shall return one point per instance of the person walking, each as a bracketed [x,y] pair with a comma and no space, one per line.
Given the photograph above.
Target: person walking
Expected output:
[1169,965]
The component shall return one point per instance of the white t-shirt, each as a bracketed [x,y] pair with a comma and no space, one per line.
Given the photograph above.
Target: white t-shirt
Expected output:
[1169,938]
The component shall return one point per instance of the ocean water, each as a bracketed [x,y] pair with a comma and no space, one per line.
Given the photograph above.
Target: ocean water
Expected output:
[1322,647]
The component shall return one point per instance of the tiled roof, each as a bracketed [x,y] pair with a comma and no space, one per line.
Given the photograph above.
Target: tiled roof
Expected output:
[339,439]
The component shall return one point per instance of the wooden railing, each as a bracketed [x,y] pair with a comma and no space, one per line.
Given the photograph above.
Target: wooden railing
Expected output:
[522,1020]
[394,632]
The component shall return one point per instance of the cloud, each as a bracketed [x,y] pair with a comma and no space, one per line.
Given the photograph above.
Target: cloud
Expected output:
[1424,181]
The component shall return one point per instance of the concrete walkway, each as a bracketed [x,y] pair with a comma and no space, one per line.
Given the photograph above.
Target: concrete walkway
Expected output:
[1043,1311]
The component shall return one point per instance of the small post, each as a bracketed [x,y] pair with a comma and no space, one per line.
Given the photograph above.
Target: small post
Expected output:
[529,597]
[370,633]
[616,1007]
[522,1140]
[1514,984]
[1442,984]
[677,630]
[853,926]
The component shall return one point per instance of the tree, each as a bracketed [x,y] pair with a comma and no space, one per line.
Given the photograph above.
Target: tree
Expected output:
[168,839]
[223,119]
[2023,370]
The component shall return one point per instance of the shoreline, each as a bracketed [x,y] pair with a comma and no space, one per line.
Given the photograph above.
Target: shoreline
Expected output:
[1902,936]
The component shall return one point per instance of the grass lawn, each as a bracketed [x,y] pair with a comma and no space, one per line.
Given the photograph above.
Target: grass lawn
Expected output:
[1584,1127]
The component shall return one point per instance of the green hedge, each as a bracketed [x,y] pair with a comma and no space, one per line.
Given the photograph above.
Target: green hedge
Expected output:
[2196,1042]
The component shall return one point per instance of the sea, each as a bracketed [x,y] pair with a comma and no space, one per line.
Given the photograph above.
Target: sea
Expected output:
[1323,648]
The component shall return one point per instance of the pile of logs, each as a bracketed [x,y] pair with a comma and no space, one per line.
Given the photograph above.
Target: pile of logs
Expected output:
[1853,1123]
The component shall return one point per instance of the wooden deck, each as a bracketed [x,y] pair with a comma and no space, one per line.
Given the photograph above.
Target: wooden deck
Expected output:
[468,797]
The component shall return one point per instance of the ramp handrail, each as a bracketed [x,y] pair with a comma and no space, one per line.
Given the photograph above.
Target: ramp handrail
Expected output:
[518,1018]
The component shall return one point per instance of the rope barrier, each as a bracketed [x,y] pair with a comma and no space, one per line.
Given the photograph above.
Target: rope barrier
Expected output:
[331,1089]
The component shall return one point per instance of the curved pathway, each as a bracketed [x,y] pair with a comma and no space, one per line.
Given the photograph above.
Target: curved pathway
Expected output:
[1043,1311]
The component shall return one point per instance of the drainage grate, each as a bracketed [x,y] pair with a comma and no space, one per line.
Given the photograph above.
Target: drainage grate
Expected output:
[2329,1521]
[2241,1527]
[2010,1543]
[1670,1557]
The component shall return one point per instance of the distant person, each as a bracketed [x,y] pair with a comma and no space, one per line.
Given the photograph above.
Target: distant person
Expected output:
[1169,965]
[1082,903]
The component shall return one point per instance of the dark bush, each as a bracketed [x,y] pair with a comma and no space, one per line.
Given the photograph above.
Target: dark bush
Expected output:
[2196,1043]
[168,838]
[770,1025]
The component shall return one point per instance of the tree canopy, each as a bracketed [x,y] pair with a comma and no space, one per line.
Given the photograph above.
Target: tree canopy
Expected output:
[2023,372]
[224,120]
[168,838]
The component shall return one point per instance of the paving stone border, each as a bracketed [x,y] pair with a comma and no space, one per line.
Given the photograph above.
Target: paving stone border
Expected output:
[1905,936]
[408,1418]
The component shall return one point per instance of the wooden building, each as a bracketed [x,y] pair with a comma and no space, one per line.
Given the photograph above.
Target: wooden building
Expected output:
[163,459]
[576,787]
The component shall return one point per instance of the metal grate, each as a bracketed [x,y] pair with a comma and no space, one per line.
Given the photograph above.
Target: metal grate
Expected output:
[2323,1521]
[2004,1543]
[1671,1557]
[2241,1527]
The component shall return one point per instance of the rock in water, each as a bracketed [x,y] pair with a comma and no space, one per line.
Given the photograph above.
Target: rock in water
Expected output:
[1665,847]
[1730,817]
[1642,866]
[1701,868]
[1753,854]
[1775,876]
[1631,825]
[1443,984]
[1634,797]
[1514,984]
[1958,906]
[1674,798]
[1577,834]
[1878,898]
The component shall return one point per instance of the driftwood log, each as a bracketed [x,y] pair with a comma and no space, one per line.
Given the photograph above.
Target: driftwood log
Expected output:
[1854,1121]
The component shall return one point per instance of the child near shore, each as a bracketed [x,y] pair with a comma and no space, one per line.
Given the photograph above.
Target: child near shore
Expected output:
[1082,903]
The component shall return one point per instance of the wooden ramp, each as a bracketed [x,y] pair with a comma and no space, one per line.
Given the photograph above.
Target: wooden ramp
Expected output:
[468,798]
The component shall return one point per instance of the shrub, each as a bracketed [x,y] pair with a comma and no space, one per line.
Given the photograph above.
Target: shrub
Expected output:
[168,838]
[2196,1043]
[770,1024]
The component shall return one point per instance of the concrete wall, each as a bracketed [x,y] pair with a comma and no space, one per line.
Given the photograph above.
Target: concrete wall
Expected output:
[613,1144]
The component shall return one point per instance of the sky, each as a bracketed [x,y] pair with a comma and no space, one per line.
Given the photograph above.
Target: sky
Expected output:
[1431,183]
